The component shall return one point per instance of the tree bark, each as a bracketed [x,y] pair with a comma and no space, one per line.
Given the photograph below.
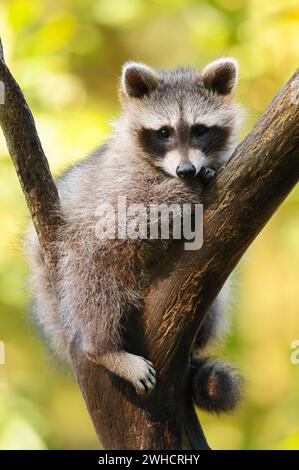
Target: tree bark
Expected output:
[261,173]
[30,162]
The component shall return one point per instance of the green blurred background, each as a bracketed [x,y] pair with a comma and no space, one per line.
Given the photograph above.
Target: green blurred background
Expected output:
[66,55]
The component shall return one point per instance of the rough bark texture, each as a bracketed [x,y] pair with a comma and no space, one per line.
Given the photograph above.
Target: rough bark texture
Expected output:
[261,173]
[31,165]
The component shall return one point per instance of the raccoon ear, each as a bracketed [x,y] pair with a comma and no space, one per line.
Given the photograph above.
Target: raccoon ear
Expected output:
[138,79]
[221,75]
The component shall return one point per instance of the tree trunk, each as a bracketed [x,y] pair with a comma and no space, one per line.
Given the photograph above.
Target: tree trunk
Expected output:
[243,197]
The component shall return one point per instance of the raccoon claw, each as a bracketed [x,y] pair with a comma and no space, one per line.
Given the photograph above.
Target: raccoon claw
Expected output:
[206,175]
[144,379]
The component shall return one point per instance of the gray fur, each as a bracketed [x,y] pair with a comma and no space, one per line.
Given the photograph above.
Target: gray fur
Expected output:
[217,386]
[100,281]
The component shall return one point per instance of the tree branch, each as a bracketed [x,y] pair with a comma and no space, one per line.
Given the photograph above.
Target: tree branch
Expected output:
[1,51]
[30,162]
[259,176]
[261,173]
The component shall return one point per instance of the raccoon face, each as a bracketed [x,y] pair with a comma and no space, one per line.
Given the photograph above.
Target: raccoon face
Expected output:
[181,120]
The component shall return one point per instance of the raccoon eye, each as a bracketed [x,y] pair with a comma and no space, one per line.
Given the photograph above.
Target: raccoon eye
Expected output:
[164,133]
[199,129]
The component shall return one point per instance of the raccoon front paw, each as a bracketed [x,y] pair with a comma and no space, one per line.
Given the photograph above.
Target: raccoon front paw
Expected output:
[206,175]
[216,386]
[141,374]
[130,367]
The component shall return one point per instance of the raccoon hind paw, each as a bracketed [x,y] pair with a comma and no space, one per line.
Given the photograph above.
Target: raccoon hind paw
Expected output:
[217,386]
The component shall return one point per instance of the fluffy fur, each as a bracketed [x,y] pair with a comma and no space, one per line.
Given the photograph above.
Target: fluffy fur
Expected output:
[102,282]
[216,386]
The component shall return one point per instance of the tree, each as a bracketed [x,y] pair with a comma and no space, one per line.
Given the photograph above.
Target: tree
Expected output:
[262,171]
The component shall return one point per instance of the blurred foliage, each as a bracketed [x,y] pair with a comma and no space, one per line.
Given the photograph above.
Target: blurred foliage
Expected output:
[67,55]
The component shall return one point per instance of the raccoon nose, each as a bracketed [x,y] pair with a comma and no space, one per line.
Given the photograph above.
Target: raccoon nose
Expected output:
[185,169]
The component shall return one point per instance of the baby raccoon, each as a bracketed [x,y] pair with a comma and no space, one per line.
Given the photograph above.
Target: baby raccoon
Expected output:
[175,129]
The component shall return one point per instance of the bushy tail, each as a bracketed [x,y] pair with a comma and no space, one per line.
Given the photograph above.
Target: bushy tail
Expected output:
[216,386]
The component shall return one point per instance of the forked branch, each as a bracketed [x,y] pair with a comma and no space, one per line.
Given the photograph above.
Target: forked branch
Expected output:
[261,173]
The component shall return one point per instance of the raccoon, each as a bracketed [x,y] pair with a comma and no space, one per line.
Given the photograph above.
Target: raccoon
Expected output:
[175,127]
